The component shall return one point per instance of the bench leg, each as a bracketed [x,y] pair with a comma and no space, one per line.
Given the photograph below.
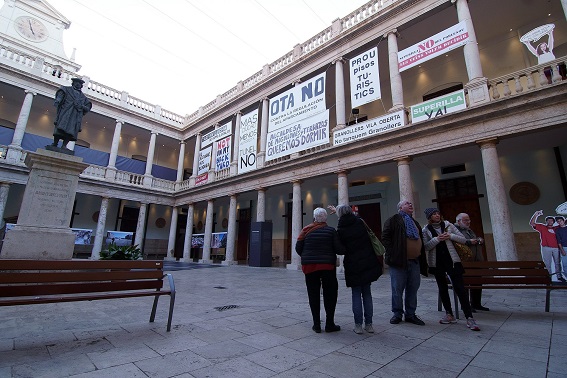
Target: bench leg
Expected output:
[154,307]
[547,299]
[171,301]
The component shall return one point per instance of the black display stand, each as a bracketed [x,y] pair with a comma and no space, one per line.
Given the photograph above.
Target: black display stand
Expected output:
[260,244]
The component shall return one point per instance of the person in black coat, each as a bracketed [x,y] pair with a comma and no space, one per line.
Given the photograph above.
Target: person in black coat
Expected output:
[318,246]
[362,266]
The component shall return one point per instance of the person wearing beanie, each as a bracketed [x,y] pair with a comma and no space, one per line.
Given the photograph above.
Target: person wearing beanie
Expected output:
[443,260]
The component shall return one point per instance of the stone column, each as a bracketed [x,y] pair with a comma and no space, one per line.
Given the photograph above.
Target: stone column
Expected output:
[180,161]
[22,120]
[151,151]
[100,226]
[115,144]
[395,77]
[172,234]
[236,145]
[4,191]
[342,187]
[196,159]
[477,86]
[564,5]
[208,234]
[141,226]
[261,157]
[502,231]
[261,205]
[404,177]
[296,225]
[340,93]
[231,234]
[188,234]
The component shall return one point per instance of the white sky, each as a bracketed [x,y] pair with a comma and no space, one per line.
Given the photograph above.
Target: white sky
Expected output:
[181,54]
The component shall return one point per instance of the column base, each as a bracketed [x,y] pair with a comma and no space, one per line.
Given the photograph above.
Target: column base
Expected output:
[110,173]
[478,91]
[228,263]
[168,258]
[260,159]
[148,180]
[14,154]
[293,266]
[205,261]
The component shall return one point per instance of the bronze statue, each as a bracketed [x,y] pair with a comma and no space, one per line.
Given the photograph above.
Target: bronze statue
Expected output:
[71,105]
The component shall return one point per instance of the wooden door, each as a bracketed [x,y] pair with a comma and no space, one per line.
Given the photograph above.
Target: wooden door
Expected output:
[244,219]
[370,212]
[287,243]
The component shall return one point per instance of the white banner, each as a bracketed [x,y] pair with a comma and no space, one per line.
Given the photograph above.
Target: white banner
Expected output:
[364,78]
[369,128]
[204,160]
[299,136]
[222,157]
[440,43]
[218,133]
[300,102]
[248,142]
[439,106]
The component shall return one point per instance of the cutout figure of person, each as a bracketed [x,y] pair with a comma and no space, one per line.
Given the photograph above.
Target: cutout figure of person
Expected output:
[544,50]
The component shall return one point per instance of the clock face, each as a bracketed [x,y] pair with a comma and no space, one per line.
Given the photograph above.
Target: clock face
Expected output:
[31,29]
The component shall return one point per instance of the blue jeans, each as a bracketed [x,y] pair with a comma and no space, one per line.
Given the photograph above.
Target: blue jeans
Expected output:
[407,279]
[361,295]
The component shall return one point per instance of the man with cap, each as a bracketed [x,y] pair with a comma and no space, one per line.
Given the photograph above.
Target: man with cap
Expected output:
[549,246]
[71,105]
[405,256]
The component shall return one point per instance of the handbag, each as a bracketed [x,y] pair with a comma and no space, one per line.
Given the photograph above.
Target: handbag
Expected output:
[464,252]
[377,246]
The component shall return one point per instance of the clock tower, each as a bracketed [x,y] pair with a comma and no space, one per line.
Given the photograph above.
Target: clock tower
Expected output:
[35,28]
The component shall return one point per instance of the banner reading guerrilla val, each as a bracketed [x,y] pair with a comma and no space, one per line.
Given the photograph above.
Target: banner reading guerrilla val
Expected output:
[222,158]
[218,133]
[369,128]
[439,106]
[248,142]
[440,43]
[364,78]
[300,102]
[298,136]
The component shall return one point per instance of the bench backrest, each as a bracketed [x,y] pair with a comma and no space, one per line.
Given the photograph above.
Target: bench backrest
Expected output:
[506,273]
[19,278]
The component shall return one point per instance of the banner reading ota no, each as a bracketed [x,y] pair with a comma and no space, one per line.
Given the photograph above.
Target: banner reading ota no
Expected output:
[369,128]
[439,106]
[440,43]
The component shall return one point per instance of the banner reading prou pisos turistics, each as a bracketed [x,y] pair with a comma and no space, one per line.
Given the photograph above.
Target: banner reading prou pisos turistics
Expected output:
[440,43]
[364,78]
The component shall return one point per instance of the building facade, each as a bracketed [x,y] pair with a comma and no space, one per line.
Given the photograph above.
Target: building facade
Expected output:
[449,103]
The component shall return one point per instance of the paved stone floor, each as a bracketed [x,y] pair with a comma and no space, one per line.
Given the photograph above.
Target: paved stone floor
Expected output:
[241,321]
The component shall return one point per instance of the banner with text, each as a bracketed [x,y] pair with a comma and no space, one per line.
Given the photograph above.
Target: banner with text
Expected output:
[300,102]
[440,43]
[218,133]
[222,157]
[204,160]
[298,136]
[248,142]
[369,128]
[364,78]
[439,106]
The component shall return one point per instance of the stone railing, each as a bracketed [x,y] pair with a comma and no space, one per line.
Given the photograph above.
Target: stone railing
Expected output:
[527,79]
[222,174]
[11,155]
[94,171]
[162,184]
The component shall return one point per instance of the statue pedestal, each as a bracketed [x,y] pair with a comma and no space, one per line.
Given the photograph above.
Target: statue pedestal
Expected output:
[43,232]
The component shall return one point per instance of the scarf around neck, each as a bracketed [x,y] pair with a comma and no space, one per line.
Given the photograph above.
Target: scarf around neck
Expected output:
[411,229]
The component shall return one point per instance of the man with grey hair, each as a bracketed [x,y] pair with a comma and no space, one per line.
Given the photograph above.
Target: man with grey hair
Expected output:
[463,224]
[405,255]
[318,245]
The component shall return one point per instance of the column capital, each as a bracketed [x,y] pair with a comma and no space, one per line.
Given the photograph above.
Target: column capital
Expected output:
[120,121]
[233,195]
[238,113]
[339,59]
[343,172]
[261,189]
[265,98]
[403,160]
[153,132]
[297,181]
[30,91]
[393,31]
[295,82]
[182,141]
[487,143]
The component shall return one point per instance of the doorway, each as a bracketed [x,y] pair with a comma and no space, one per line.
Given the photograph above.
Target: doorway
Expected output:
[244,221]
[371,214]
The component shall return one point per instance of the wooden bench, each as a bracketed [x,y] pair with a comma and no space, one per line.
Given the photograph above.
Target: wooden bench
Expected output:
[487,275]
[25,282]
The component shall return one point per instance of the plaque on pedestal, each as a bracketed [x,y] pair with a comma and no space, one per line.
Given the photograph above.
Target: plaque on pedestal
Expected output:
[43,232]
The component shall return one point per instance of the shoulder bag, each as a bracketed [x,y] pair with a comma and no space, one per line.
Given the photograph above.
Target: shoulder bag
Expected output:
[378,247]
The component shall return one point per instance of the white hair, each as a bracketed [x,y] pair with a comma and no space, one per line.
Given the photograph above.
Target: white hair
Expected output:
[320,214]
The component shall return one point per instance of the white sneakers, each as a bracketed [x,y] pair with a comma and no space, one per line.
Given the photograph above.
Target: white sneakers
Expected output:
[358,329]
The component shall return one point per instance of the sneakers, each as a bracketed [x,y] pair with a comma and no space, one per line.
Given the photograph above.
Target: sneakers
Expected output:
[415,320]
[332,328]
[358,329]
[395,320]
[368,328]
[471,324]
[448,319]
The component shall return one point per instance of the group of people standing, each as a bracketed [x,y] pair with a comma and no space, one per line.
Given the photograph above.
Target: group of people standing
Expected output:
[410,252]
[553,240]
